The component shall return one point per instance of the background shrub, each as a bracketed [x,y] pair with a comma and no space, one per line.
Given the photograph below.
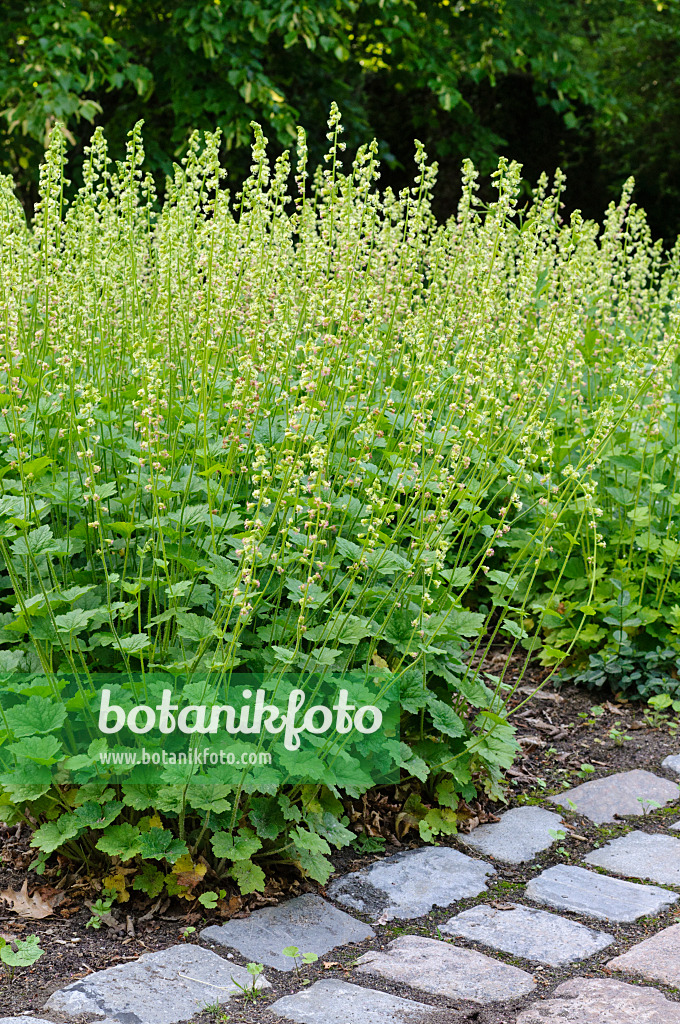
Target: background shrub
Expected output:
[586,85]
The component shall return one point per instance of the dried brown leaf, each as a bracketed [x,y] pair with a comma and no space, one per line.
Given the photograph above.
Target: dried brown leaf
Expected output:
[34,907]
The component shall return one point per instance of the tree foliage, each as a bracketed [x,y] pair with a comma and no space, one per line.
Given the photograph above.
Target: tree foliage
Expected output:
[574,82]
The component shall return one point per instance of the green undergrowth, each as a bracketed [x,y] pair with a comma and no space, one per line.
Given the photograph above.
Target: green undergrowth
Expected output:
[304,428]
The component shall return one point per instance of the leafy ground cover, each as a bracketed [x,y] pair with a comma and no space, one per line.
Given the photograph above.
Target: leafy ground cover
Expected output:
[304,428]
[566,739]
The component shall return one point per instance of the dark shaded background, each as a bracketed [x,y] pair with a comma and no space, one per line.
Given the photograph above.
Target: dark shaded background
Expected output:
[592,86]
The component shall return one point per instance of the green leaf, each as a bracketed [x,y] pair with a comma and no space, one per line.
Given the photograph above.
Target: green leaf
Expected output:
[41,749]
[444,718]
[208,900]
[120,841]
[37,542]
[150,880]
[343,629]
[224,573]
[504,580]
[399,631]
[74,621]
[670,548]
[459,577]
[179,589]
[514,629]
[248,876]
[73,593]
[202,796]
[92,814]
[37,715]
[240,847]
[159,844]
[267,817]
[305,840]
[324,656]
[387,562]
[27,781]
[461,622]
[315,865]
[437,821]
[328,826]
[195,628]
[413,764]
[446,794]
[133,644]
[283,654]
[53,834]
[27,952]
[139,797]
[413,694]
[348,549]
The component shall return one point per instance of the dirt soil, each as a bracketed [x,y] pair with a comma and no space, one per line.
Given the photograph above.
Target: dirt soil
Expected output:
[559,734]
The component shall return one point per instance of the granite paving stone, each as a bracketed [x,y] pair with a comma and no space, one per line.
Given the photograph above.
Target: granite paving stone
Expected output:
[520,834]
[440,969]
[602,1001]
[529,933]
[25,1020]
[676,825]
[640,855]
[624,793]
[338,1002]
[655,959]
[672,762]
[567,887]
[159,988]
[409,884]
[308,922]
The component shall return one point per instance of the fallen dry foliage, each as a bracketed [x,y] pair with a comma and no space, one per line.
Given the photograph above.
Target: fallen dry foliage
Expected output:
[35,907]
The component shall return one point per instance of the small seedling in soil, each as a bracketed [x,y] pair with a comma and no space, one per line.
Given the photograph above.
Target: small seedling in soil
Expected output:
[648,805]
[209,899]
[558,835]
[40,863]
[187,932]
[368,844]
[251,993]
[618,736]
[586,770]
[595,712]
[100,908]
[304,958]
[26,953]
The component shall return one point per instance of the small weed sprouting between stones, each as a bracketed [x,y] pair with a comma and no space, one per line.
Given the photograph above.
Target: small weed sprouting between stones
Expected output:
[299,958]
[251,992]
[647,805]
[217,1013]
[559,835]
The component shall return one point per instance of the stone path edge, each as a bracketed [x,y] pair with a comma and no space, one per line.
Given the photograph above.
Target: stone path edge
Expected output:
[128,993]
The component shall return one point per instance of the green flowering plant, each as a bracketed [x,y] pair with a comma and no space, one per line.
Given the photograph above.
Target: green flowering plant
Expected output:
[316,434]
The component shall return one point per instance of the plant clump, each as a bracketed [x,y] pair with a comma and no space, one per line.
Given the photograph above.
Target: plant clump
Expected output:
[307,429]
